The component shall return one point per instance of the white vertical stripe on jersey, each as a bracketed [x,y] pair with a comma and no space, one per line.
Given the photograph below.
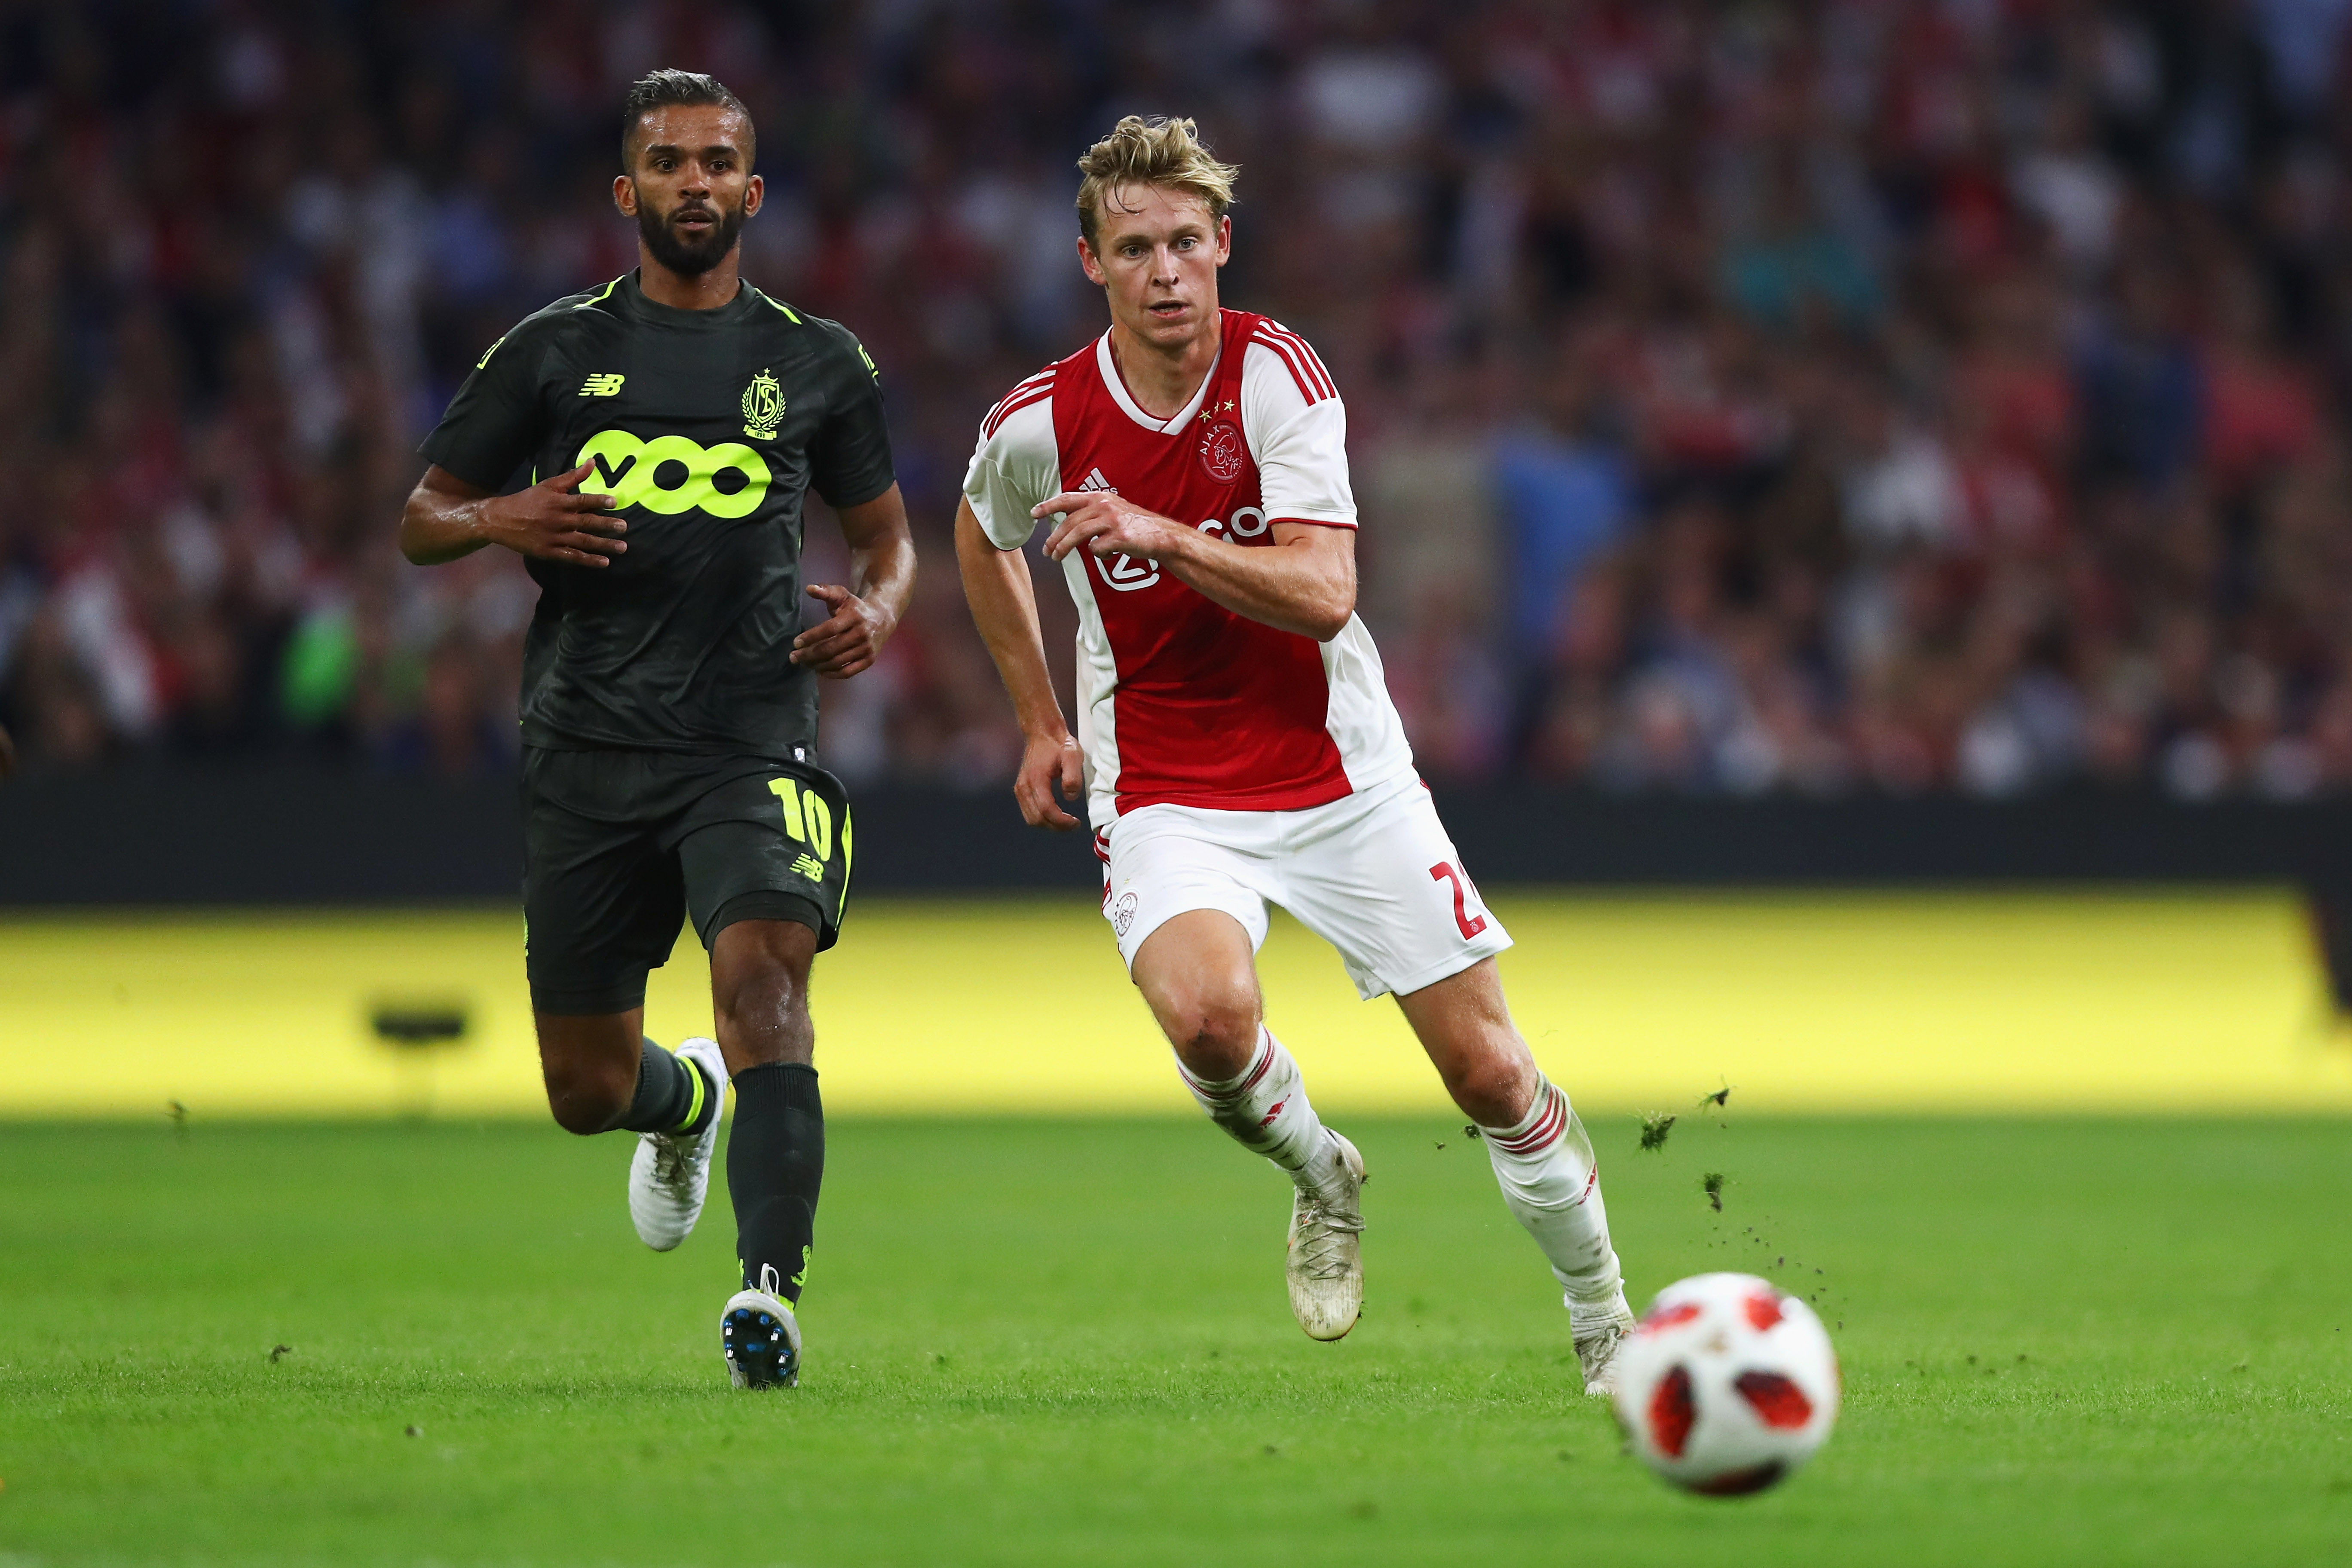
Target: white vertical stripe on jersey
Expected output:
[1361,720]
[1097,693]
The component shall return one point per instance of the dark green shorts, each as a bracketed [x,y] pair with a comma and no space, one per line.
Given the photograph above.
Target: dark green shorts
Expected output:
[620,847]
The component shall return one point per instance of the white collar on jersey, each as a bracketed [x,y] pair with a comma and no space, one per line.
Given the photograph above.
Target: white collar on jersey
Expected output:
[1120,395]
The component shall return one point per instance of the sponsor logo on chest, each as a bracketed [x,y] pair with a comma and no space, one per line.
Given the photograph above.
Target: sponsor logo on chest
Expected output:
[673,474]
[1130,575]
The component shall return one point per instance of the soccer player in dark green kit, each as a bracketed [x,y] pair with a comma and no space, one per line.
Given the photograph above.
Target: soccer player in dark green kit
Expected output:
[671,421]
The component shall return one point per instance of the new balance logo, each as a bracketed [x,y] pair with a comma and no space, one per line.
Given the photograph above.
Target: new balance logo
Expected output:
[1095,481]
[807,866]
[601,385]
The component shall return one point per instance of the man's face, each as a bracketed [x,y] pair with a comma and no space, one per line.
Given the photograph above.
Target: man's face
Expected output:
[1157,261]
[690,184]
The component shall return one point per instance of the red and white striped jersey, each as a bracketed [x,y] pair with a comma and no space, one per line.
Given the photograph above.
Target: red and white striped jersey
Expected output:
[1180,700]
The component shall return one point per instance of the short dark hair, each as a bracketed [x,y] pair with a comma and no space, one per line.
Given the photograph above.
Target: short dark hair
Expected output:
[664,88]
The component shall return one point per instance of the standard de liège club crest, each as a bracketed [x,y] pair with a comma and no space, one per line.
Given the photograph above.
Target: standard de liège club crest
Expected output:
[764,407]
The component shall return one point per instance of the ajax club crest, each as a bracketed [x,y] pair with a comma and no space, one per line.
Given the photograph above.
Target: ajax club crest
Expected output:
[764,407]
[1222,451]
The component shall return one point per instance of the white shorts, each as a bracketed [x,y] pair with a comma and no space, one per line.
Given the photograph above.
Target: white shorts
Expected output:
[1374,875]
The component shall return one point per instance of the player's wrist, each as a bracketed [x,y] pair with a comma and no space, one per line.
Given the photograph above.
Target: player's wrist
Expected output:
[1050,735]
[1182,546]
[486,523]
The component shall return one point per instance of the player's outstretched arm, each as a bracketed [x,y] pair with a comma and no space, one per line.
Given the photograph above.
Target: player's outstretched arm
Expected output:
[1005,606]
[882,560]
[446,518]
[1305,584]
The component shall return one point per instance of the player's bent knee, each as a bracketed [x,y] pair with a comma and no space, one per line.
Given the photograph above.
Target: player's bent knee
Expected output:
[587,1097]
[1493,1089]
[589,1065]
[1213,1034]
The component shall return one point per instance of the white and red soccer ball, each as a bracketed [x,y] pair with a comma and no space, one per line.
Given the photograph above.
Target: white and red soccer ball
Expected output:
[1727,1384]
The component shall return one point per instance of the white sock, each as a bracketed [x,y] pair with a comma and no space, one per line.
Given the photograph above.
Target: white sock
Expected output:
[1552,1184]
[1267,1111]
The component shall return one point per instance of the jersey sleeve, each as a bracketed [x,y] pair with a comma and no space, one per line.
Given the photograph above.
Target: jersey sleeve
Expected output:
[1013,468]
[496,422]
[1297,433]
[850,460]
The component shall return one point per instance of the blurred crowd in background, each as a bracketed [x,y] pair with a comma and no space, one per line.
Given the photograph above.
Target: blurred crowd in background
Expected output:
[1861,394]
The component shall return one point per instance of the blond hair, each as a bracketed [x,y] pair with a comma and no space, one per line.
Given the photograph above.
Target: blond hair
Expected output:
[1155,152]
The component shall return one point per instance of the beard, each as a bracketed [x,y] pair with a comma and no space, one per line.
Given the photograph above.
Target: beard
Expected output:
[690,257]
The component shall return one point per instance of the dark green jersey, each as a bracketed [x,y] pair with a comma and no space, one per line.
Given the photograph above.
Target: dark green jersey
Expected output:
[706,426]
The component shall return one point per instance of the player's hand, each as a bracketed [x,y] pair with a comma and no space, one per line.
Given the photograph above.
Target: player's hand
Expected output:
[1045,762]
[1107,525]
[847,641]
[548,523]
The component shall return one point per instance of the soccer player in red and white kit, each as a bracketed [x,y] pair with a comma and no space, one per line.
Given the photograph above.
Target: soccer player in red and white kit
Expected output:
[1236,744]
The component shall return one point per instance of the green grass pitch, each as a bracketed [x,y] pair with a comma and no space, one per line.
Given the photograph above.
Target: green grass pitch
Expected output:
[2064,1342]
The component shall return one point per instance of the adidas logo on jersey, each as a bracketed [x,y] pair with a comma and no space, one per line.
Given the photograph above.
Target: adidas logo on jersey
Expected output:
[1123,572]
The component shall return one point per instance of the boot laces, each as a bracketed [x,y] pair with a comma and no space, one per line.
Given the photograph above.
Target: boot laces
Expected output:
[671,1157]
[1598,1349]
[1322,1240]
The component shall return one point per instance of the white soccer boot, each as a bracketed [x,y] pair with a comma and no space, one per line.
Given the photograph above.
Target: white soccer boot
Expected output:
[670,1174]
[1596,1352]
[1326,1265]
[761,1336]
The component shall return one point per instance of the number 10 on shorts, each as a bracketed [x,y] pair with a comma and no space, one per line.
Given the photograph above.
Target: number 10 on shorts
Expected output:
[1470,925]
[809,819]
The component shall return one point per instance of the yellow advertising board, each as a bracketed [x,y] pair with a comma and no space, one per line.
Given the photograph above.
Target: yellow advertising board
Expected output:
[2205,1002]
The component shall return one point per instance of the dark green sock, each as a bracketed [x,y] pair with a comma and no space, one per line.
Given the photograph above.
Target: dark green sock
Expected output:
[775,1163]
[672,1095]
